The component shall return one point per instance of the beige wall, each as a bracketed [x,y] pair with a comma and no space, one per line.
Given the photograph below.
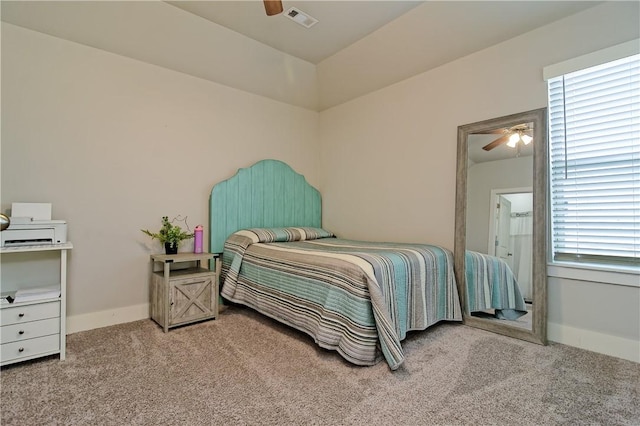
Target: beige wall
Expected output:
[389,157]
[159,33]
[115,144]
[482,178]
[392,152]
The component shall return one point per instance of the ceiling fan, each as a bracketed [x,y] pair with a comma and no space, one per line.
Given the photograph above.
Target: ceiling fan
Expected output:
[273,7]
[509,136]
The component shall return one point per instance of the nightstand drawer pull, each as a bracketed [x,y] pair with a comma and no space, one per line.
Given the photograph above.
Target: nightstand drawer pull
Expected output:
[21,332]
[20,314]
[21,350]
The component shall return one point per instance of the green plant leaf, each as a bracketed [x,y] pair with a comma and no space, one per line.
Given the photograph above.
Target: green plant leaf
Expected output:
[168,233]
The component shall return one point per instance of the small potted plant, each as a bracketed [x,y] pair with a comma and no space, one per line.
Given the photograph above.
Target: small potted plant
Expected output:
[170,235]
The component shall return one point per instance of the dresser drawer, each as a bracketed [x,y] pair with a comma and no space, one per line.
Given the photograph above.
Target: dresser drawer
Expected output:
[21,314]
[29,348]
[29,330]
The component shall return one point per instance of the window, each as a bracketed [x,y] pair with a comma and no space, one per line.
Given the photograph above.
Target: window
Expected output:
[594,151]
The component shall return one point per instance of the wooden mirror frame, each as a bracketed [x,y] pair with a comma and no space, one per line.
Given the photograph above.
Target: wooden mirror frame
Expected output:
[538,332]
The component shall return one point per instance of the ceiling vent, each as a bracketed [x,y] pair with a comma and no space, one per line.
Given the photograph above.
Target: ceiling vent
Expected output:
[300,17]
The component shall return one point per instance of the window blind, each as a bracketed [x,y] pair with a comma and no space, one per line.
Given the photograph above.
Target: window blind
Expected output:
[594,136]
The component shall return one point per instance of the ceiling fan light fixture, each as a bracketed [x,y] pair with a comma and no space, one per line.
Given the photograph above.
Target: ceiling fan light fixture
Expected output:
[526,139]
[513,140]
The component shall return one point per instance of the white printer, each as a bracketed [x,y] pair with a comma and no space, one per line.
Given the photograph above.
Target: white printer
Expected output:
[31,224]
[27,232]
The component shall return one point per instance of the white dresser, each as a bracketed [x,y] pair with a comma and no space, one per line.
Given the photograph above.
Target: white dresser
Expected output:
[34,327]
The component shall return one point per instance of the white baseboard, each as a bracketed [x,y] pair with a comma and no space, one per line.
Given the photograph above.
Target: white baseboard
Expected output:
[83,322]
[607,344]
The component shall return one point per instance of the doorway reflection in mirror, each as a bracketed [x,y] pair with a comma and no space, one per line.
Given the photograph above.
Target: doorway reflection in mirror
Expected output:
[511,236]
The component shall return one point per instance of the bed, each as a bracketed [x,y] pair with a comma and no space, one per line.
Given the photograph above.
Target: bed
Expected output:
[355,297]
[492,286]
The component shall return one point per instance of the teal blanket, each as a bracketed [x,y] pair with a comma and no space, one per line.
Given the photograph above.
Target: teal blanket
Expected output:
[492,285]
[358,298]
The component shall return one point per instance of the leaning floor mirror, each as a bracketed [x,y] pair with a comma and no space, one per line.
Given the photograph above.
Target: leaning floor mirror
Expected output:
[500,242]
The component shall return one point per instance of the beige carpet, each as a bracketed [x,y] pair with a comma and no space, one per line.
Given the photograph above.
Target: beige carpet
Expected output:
[247,370]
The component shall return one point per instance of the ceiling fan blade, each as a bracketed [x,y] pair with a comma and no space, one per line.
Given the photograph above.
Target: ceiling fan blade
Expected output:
[273,7]
[492,132]
[497,142]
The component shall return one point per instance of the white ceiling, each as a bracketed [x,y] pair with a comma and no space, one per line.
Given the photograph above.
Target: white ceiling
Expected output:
[357,46]
[341,23]
[344,22]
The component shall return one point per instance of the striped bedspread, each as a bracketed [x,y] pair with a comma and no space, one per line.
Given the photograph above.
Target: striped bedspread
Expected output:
[358,298]
[492,285]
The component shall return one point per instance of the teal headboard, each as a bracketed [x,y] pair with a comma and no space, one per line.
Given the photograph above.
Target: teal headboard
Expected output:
[269,194]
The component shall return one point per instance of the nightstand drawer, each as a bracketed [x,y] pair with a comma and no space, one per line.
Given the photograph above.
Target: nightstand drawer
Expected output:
[29,330]
[26,313]
[30,348]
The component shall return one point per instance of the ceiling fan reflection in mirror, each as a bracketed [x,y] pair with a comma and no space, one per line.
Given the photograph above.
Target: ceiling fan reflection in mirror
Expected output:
[511,136]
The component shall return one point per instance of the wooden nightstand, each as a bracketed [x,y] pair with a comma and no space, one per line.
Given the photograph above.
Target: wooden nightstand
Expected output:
[184,290]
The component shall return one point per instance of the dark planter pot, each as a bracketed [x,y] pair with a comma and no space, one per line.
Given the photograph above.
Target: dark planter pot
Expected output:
[171,248]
